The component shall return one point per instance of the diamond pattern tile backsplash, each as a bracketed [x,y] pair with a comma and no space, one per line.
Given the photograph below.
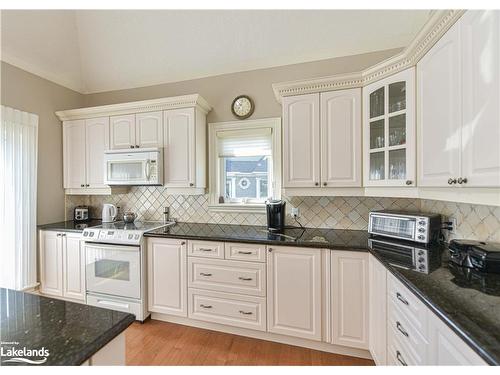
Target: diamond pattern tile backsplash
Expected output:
[473,221]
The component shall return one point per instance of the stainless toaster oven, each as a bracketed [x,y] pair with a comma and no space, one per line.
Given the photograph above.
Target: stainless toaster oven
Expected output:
[410,226]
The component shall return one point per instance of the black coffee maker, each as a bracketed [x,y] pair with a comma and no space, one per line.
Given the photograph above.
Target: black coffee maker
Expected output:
[275,215]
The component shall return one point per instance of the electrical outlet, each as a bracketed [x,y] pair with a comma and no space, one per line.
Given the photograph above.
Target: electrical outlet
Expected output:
[453,225]
[295,212]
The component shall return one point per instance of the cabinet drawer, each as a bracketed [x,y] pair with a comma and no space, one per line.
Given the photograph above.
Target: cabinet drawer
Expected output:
[414,310]
[244,251]
[206,249]
[230,309]
[227,276]
[397,354]
[408,336]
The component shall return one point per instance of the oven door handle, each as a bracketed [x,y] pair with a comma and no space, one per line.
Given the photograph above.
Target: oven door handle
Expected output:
[94,246]
[147,169]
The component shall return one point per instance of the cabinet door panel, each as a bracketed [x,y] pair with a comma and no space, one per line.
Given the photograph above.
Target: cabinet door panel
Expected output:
[439,111]
[301,154]
[73,267]
[378,311]
[122,131]
[179,141]
[341,138]
[74,154]
[481,97]
[350,298]
[294,292]
[167,278]
[149,129]
[97,141]
[51,263]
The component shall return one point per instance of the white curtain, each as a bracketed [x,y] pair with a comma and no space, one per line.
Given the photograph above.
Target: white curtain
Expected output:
[245,142]
[18,168]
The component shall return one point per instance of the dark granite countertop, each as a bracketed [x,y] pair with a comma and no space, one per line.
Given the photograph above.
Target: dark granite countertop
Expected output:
[467,301]
[70,225]
[308,237]
[71,332]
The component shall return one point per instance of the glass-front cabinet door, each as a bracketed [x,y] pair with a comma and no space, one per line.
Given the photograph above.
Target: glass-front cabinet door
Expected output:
[389,131]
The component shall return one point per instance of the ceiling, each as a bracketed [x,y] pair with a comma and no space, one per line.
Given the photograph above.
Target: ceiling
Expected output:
[100,50]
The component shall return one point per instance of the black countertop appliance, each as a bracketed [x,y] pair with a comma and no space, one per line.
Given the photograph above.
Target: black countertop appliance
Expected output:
[479,255]
[275,215]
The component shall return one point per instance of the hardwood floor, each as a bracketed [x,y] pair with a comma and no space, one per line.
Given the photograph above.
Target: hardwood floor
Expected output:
[161,343]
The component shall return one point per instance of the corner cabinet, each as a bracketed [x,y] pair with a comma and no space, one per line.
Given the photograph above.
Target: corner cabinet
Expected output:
[377,311]
[294,280]
[389,131]
[322,140]
[458,101]
[167,276]
[62,265]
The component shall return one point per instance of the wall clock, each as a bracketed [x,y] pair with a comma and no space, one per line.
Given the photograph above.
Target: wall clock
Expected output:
[242,107]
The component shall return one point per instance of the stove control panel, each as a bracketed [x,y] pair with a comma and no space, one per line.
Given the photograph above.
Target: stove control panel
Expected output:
[126,237]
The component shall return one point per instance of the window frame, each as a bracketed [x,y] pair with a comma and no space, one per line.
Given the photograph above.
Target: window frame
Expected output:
[216,164]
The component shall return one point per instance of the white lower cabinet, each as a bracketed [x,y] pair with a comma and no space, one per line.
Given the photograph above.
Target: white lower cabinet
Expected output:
[350,298]
[167,276]
[377,321]
[62,265]
[294,291]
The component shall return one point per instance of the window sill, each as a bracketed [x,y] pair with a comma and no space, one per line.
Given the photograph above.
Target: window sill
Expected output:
[241,208]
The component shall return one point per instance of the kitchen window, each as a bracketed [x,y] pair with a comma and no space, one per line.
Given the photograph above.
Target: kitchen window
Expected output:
[244,164]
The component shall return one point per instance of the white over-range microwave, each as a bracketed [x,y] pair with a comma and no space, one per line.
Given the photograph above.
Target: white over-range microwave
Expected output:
[133,167]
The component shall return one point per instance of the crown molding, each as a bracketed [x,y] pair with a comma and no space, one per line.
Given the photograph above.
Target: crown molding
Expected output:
[433,30]
[174,102]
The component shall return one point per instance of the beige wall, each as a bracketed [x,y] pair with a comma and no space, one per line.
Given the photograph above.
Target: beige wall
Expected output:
[220,90]
[30,93]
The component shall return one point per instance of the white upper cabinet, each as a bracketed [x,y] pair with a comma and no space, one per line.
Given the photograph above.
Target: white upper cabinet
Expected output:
[459,105]
[480,33]
[84,142]
[301,153]
[350,298]
[341,138]
[294,292]
[74,154]
[149,129]
[439,113]
[389,131]
[180,151]
[322,140]
[96,142]
[122,131]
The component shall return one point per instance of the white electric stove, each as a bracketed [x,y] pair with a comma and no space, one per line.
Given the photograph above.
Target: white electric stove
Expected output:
[115,259]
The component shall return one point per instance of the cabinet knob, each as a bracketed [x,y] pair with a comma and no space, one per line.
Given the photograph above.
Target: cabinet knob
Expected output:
[409,182]
[270,249]
[82,185]
[136,146]
[452,181]
[183,242]
[462,180]
[324,184]
[87,185]
[316,184]
[131,146]
[191,184]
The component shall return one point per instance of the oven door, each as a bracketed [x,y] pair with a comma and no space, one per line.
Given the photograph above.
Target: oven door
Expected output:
[392,226]
[113,269]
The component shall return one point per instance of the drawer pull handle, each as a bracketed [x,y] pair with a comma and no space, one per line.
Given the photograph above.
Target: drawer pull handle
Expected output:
[245,252]
[401,329]
[205,249]
[206,306]
[245,278]
[400,358]
[400,297]
[205,274]
[246,312]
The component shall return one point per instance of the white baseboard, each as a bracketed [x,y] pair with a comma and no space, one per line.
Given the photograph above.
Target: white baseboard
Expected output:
[295,341]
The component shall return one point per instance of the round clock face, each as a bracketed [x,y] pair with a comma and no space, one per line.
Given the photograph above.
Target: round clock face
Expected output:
[242,106]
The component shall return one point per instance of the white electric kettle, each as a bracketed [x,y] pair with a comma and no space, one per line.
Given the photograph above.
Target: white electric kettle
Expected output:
[108,213]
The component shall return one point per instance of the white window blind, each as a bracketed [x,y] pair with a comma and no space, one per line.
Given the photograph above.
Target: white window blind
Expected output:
[247,142]
[18,168]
